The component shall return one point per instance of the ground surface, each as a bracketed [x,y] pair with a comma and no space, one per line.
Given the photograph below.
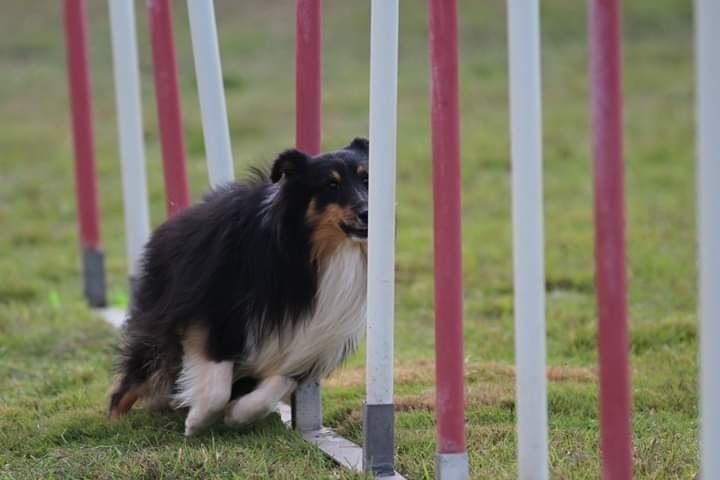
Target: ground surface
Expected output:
[55,356]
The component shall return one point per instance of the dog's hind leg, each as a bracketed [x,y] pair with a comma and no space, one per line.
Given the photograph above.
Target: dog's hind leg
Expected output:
[260,402]
[204,385]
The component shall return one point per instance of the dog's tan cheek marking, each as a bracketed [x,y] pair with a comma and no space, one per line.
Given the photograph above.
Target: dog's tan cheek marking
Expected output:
[336,175]
[361,170]
[327,234]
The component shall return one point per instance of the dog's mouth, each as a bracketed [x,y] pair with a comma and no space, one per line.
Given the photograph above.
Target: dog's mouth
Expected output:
[356,231]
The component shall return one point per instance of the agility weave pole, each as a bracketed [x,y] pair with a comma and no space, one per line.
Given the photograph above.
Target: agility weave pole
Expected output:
[306,401]
[379,410]
[528,248]
[130,132]
[167,96]
[707,39]
[79,83]
[452,460]
[208,71]
[611,277]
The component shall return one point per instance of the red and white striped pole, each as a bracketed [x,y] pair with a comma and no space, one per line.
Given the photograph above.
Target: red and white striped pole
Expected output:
[167,95]
[306,401]
[452,459]
[85,176]
[605,75]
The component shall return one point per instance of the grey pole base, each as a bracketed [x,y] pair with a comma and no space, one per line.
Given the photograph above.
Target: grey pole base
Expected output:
[452,466]
[379,439]
[94,277]
[307,406]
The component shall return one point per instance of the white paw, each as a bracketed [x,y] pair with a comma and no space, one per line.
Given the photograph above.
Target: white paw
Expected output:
[192,427]
[198,419]
[247,409]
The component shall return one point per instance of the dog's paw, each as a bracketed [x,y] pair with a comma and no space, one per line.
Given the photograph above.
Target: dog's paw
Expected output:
[197,420]
[246,410]
[191,430]
[193,425]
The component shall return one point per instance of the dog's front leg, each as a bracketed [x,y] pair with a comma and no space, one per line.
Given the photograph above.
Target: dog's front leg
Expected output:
[205,387]
[260,402]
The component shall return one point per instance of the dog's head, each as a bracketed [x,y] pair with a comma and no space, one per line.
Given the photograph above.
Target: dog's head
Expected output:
[335,190]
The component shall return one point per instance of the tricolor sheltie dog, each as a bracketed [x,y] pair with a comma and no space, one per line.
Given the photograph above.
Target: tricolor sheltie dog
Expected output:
[249,292]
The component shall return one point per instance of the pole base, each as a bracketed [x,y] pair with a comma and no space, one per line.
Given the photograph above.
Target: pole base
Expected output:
[307,406]
[94,277]
[452,466]
[379,439]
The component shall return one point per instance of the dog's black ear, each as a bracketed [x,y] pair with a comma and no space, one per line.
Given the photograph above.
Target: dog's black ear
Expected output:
[288,163]
[359,144]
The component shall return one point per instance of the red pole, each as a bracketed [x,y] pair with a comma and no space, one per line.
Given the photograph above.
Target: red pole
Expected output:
[605,74]
[306,401]
[76,38]
[308,76]
[447,227]
[167,94]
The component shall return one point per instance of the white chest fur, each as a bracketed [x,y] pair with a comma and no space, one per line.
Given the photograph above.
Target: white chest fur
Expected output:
[331,331]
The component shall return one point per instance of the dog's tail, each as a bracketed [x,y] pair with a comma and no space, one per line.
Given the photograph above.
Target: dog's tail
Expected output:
[132,381]
[148,363]
[123,395]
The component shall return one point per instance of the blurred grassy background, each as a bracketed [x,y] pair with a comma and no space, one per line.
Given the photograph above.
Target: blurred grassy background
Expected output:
[55,357]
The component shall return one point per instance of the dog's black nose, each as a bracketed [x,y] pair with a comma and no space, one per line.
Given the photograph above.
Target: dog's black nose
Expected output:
[363,216]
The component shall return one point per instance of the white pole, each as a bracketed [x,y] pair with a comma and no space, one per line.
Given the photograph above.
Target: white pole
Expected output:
[381,241]
[707,18]
[130,130]
[526,129]
[378,417]
[208,71]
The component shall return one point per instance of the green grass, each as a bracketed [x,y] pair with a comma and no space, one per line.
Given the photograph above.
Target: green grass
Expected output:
[55,356]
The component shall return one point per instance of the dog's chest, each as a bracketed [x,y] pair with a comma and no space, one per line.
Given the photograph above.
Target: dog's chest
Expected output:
[333,330]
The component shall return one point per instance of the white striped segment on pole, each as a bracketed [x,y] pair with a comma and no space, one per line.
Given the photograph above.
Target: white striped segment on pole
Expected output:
[130,129]
[208,70]
[707,19]
[381,236]
[528,244]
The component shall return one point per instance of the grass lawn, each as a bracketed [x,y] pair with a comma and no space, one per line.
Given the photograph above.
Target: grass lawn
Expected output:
[56,356]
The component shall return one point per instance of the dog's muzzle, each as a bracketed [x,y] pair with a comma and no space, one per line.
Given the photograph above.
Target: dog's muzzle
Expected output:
[358,230]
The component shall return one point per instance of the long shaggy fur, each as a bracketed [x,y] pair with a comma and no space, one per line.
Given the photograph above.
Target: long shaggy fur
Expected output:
[268,274]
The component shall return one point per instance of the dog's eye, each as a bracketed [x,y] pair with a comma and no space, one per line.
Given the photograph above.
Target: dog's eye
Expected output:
[333,185]
[365,181]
